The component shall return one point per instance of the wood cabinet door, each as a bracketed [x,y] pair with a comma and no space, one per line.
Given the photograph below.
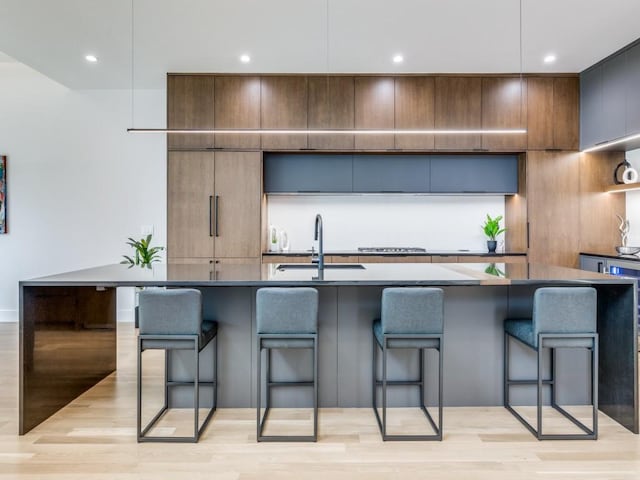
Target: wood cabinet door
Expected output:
[237,204]
[552,113]
[190,180]
[374,105]
[458,106]
[504,106]
[237,106]
[331,106]
[415,110]
[284,106]
[566,117]
[190,105]
[553,206]
[540,113]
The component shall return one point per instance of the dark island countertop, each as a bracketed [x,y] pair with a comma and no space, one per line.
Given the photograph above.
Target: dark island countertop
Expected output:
[442,274]
[428,253]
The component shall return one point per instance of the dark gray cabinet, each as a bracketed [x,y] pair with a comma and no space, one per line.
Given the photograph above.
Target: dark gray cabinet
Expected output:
[591,128]
[474,174]
[300,173]
[338,173]
[633,90]
[614,97]
[390,173]
[610,98]
[593,264]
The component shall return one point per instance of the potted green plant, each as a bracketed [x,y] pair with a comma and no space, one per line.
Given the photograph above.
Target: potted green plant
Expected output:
[144,255]
[492,229]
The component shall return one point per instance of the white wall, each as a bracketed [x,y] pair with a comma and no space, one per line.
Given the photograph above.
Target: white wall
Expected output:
[78,184]
[633,204]
[431,222]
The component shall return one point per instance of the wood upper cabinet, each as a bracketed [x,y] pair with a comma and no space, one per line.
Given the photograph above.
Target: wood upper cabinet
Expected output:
[213,204]
[331,106]
[540,113]
[458,106]
[284,106]
[415,109]
[552,113]
[237,106]
[553,206]
[374,109]
[190,104]
[504,105]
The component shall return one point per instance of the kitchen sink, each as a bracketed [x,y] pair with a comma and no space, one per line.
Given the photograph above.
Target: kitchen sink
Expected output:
[327,266]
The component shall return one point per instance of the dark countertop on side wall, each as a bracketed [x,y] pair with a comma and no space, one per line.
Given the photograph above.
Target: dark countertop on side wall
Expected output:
[632,258]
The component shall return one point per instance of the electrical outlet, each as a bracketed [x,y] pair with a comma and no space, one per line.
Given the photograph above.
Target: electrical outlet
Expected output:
[146,230]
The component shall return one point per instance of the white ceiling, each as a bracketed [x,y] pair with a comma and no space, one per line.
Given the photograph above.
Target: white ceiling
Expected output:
[435,36]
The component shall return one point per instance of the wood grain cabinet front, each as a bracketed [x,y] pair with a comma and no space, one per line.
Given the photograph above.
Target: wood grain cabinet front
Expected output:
[374,110]
[415,110]
[331,106]
[283,103]
[190,105]
[552,113]
[504,106]
[458,106]
[237,106]
[213,205]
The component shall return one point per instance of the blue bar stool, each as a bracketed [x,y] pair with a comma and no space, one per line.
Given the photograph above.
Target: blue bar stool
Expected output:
[286,318]
[563,317]
[172,320]
[410,318]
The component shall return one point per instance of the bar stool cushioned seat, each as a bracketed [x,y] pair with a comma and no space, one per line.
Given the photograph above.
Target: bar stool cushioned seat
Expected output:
[410,318]
[172,320]
[563,317]
[286,318]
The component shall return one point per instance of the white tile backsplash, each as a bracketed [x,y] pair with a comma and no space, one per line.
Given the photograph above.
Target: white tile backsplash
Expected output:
[352,221]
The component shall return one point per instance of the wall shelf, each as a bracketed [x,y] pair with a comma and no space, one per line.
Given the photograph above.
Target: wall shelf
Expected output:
[623,187]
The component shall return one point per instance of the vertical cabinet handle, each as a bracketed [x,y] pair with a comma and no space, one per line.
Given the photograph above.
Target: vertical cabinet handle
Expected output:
[217,203]
[600,265]
[527,234]
[210,215]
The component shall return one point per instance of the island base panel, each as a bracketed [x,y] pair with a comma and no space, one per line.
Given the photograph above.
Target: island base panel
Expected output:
[67,345]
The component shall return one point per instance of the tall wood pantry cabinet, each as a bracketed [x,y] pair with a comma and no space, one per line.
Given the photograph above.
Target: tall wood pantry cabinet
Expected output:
[213,205]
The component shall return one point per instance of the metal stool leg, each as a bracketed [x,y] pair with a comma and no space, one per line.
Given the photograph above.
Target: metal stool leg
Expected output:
[261,419]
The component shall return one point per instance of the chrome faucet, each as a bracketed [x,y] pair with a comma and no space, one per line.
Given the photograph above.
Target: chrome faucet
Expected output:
[319,259]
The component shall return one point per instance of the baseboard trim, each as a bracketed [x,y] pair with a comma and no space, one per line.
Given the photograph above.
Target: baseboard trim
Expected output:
[8,316]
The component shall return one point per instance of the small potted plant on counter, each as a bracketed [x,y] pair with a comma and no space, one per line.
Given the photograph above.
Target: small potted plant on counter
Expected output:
[145,254]
[492,229]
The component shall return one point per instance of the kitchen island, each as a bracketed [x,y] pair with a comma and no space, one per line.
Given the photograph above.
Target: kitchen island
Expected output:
[68,331]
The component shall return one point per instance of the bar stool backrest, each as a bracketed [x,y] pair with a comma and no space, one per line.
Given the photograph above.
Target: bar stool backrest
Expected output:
[287,310]
[412,310]
[564,310]
[170,312]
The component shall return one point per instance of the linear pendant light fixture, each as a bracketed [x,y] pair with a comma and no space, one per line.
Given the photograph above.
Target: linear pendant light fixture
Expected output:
[323,131]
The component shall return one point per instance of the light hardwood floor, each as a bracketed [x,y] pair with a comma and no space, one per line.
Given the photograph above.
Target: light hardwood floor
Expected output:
[94,438]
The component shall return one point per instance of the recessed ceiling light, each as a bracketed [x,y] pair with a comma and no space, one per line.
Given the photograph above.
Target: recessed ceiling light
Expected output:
[91,58]
[549,58]
[245,58]
[398,58]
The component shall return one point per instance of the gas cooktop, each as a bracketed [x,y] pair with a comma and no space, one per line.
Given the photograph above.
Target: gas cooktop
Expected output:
[391,250]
